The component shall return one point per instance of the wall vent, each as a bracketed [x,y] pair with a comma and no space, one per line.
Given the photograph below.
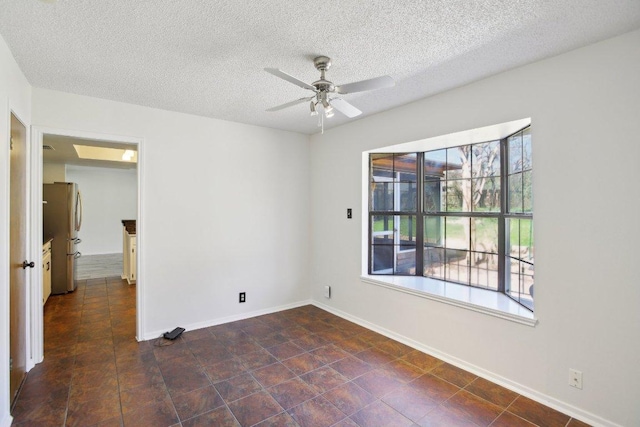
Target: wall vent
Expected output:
[48,147]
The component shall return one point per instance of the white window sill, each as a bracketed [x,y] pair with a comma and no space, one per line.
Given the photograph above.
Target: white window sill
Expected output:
[480,300]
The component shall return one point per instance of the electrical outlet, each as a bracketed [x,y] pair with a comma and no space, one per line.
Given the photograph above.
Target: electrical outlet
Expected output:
[327,292]
[575,378]
[243,297]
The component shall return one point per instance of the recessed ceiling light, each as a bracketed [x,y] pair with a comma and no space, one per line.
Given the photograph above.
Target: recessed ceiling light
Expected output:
[128,155]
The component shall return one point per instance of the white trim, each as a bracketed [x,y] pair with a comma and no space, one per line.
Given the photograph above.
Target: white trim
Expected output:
[38,133]
[481,134]
[37,337]
[5,308]
[6,421]
[474,299]
[235,317]
[556,404]
[140,247]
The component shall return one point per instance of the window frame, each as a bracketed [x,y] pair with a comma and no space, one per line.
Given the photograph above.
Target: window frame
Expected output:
[503,216]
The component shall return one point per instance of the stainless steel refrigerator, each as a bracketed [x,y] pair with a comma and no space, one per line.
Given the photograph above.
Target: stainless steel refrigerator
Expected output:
[62,215]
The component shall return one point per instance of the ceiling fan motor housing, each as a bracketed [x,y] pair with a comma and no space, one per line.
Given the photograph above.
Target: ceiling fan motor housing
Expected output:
[322,63]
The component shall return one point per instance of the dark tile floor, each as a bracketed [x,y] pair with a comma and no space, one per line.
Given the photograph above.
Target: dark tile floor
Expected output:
[301,367]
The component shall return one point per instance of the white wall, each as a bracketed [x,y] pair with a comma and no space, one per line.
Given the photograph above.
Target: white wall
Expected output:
[53,172]
[108,196]
[585,108]
[15,96]
[224,208]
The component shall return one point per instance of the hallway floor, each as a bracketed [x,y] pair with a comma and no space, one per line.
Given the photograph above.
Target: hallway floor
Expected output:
[301,367]
[98,266]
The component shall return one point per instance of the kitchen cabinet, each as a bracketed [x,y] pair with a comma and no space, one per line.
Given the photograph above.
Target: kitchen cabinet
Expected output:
[46,271]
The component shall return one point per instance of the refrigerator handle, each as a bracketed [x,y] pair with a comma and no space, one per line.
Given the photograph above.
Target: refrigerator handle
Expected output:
[78,211]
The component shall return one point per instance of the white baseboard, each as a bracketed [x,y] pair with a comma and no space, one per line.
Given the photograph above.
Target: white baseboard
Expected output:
[6,421]
[213,322]
[556,404]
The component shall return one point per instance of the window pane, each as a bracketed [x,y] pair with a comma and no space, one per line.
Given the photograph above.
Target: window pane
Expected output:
[486,194]
[406,165]
[519,267]
[432,194]
[382,196]
[406,262]
[526,149]
[381,167]
[515,153]
[407,226]
[457,266]
[455,193]
[457,233]
[435,164]
[484,270]
[434,262]
[521,287]
[527,192]
[526,277]
[526,240]
[486,159]
[513,271]
[382,230]
[513,237]
[515,193]
[484,235]
[408,196]
[457,157]
[520,244]
[382,259]
[433,231]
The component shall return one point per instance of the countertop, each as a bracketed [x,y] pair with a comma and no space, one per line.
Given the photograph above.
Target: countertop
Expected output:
[130,225]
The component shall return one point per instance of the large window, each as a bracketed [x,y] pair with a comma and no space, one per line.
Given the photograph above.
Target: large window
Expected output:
[461,214]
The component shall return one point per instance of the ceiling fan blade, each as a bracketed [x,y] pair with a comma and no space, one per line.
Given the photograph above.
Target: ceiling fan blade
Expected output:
[370,84]
[345,108]
[290,104]
[278,73]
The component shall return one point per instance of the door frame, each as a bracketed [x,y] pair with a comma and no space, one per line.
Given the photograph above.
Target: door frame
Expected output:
[35,226]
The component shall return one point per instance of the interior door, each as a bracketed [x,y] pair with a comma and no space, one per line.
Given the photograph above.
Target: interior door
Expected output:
[18,255]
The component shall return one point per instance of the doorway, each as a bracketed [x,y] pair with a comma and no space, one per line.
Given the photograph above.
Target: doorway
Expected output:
[19,262]
[58,157]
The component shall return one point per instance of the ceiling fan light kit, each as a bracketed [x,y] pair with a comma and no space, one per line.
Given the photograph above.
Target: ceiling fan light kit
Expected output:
[325,89]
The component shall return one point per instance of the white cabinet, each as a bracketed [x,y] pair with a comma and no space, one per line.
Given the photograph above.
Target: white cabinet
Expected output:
[46,271]
[132,259]
[129,251]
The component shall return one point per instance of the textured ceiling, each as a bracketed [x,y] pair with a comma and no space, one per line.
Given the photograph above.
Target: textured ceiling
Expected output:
[207,57]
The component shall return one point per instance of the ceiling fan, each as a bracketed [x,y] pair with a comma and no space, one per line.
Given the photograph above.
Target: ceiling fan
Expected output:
[324,98]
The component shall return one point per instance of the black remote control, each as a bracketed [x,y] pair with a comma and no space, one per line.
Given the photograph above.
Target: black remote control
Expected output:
[173,334]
